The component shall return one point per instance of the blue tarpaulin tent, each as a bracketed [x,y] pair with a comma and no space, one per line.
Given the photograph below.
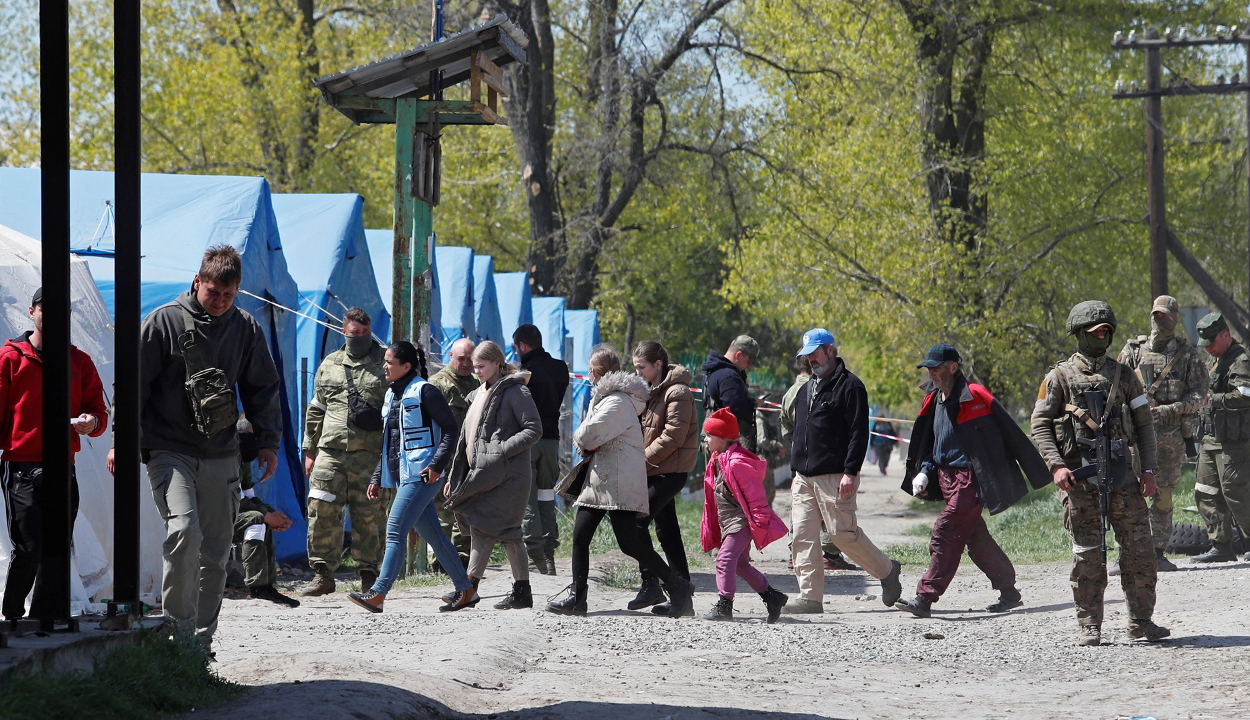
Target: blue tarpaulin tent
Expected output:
[324,237]
[486,319]
[455,284]
[582,327]
[182,215]
[512,290]
[549,319]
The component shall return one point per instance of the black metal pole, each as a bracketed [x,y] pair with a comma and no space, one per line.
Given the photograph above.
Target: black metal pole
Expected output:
[127,139]
[54,161]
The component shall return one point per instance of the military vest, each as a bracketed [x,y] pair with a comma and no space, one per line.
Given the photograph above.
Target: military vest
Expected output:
[1221,424]
[1077,423]
[1163,371]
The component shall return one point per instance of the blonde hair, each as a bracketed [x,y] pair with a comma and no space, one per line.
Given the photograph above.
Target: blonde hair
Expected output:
[490,351]
[603,359]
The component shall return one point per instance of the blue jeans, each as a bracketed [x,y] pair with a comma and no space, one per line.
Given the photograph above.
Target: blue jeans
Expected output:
[414,506]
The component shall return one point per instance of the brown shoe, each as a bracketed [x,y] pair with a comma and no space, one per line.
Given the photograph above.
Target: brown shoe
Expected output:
[1090,636]
[321,584]
[370,600]
[461,599]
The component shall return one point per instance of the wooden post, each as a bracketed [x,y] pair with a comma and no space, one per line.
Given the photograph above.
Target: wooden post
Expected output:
[1247,76]
[1154,174]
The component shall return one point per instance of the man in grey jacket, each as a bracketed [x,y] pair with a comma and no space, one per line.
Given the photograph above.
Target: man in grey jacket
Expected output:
[187,430]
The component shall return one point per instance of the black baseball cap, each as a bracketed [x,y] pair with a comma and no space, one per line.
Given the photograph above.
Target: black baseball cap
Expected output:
[939,354]
[38,298]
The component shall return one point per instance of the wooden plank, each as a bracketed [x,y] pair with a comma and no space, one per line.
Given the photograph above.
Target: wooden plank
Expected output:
[484,62]
[401,274]
[495,84]
[490,115]
[475,79]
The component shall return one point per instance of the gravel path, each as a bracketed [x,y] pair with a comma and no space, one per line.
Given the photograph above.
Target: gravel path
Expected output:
[328,659]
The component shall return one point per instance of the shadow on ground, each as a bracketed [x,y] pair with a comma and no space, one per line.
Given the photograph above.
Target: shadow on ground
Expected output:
[321,699]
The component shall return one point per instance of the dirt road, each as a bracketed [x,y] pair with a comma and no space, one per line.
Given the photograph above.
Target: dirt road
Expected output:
[328,659]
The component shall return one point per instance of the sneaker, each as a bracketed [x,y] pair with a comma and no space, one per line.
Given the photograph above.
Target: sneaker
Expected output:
[1089,636]
[1147,630]
[835,562]
[1007,599]
[267,592]
[917,606]
[369,600]
[891,588]
[803,606]
[461,599]
[451,596]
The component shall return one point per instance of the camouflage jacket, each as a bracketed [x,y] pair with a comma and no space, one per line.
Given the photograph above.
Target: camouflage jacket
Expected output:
[456,389]
[326,425]
[1226,418]
[787,410]
[1176,397]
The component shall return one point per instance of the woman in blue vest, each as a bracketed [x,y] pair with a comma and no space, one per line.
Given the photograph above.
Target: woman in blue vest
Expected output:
[420,434]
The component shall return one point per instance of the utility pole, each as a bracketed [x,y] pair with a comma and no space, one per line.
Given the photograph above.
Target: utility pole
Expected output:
[1154,173]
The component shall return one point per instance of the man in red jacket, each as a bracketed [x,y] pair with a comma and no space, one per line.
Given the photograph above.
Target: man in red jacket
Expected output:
[21,465]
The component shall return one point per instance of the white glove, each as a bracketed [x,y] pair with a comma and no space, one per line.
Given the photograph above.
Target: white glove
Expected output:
[919,483]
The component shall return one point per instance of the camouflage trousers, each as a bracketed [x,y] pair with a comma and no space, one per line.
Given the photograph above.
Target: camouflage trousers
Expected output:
[340,479]
[1129,520]
[254,541]
[1171,454]
[1222,490]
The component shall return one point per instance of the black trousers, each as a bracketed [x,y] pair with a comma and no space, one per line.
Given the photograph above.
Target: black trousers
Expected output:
[628,534]
[24,509]
[662,492]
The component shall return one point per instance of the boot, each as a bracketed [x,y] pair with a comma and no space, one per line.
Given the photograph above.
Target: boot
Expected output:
[1146,630]
[649,594]
[918,606]
[1162,564]
[368,600]
[519,598]
[662,609]
[774,600]
[539,559]
[550,555]
[1219,552]
[891,587]
[267,592]
[574,604]
[321,584]
[680,595]
[367,579]
[451,596]
[722,610]
[1090,636]
[461,599]
[1007,599]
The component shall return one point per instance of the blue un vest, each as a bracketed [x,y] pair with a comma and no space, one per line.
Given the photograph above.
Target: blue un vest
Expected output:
[418,435]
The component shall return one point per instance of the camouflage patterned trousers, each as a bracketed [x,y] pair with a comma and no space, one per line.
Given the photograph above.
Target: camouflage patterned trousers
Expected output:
[254,539]
[1171,454]
[1222,490]
[340,479]
[1130,522]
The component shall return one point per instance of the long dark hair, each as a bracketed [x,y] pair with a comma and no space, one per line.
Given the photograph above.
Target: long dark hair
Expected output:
[405,352]
[651,351]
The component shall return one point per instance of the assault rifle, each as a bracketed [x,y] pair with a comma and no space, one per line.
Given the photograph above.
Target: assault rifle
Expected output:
[1106,451]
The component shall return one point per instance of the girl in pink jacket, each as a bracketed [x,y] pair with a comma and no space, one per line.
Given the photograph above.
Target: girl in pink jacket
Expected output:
[735,512]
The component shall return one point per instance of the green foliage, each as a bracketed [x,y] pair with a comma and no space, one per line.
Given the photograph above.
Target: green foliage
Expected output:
[156,677]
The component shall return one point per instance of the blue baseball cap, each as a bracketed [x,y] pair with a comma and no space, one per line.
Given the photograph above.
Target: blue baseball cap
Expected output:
[939,354]
[815,338]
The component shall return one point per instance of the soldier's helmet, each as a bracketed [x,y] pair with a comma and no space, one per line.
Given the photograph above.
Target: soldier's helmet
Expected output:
[1088,314]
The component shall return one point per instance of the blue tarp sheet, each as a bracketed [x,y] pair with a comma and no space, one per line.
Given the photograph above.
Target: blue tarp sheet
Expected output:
[324,238]
[182,215]
[582,326]
[486,319]
[454,266]
[549,319]
[512,290]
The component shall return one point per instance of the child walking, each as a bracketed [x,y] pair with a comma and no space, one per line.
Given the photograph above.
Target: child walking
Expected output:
[735,512]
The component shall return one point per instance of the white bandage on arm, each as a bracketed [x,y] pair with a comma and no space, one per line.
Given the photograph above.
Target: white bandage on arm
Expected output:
[322,495]
[1138,401]
[317,404]
[255,532]
[1244,390]
[248,493]
[546,495]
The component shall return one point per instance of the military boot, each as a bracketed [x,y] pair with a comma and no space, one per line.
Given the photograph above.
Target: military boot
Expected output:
[1090,636]
[367,579]
[550,554]
[722,610]
[1146,630]
[539,560]
[1162,564]
[521,597]
[774,600]
[321,584]
[649,594]
[680,595]
[268,592]
[573,604]
[1219,552]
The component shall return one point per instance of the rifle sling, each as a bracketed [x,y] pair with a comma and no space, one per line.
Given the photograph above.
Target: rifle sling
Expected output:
[1158,383]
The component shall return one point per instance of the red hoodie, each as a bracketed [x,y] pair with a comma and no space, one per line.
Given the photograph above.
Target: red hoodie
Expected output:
[21,399]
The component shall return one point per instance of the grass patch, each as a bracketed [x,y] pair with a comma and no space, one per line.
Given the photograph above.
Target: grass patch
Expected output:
[157,677]
[619,574]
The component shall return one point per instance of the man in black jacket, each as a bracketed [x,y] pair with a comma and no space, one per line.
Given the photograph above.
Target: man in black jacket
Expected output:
[549,379]
[725,385]
[966,450]
[830,441]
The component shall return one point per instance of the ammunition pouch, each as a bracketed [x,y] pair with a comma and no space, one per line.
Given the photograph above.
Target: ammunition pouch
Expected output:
[1230,425]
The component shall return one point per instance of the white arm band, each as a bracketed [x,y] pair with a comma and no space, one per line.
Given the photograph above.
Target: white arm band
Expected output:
[1138,402]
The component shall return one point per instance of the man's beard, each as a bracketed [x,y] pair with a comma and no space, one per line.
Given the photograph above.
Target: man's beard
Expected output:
[822,369]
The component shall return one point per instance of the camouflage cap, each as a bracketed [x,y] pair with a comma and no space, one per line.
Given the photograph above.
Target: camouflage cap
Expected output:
[747,344]
[1211,325]
[1167,304]
[1089,313]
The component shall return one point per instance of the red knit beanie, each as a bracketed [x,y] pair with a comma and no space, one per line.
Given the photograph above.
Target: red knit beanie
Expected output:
[722,424]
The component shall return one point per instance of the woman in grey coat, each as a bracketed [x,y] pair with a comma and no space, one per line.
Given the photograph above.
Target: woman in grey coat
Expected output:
[616,483]
[490,480]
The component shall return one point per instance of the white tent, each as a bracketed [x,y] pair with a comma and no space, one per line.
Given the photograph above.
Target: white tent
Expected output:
[91,332]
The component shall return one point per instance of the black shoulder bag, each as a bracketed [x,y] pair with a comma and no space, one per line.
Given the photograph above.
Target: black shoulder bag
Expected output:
[360,412]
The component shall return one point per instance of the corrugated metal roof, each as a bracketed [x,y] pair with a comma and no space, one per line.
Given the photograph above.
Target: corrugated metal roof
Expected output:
[408,73]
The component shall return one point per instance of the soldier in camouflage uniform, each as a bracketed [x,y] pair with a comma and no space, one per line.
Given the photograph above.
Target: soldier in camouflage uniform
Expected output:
[340,457]
[1060,419]
[456,380]
[254,526]
[1222,490]
[1175,378]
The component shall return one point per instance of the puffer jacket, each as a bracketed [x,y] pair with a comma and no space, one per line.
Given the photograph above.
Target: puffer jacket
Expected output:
[670,427]
[743,472]
[618,472]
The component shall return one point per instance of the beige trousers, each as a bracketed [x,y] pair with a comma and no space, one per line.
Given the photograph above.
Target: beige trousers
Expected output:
[815,499]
